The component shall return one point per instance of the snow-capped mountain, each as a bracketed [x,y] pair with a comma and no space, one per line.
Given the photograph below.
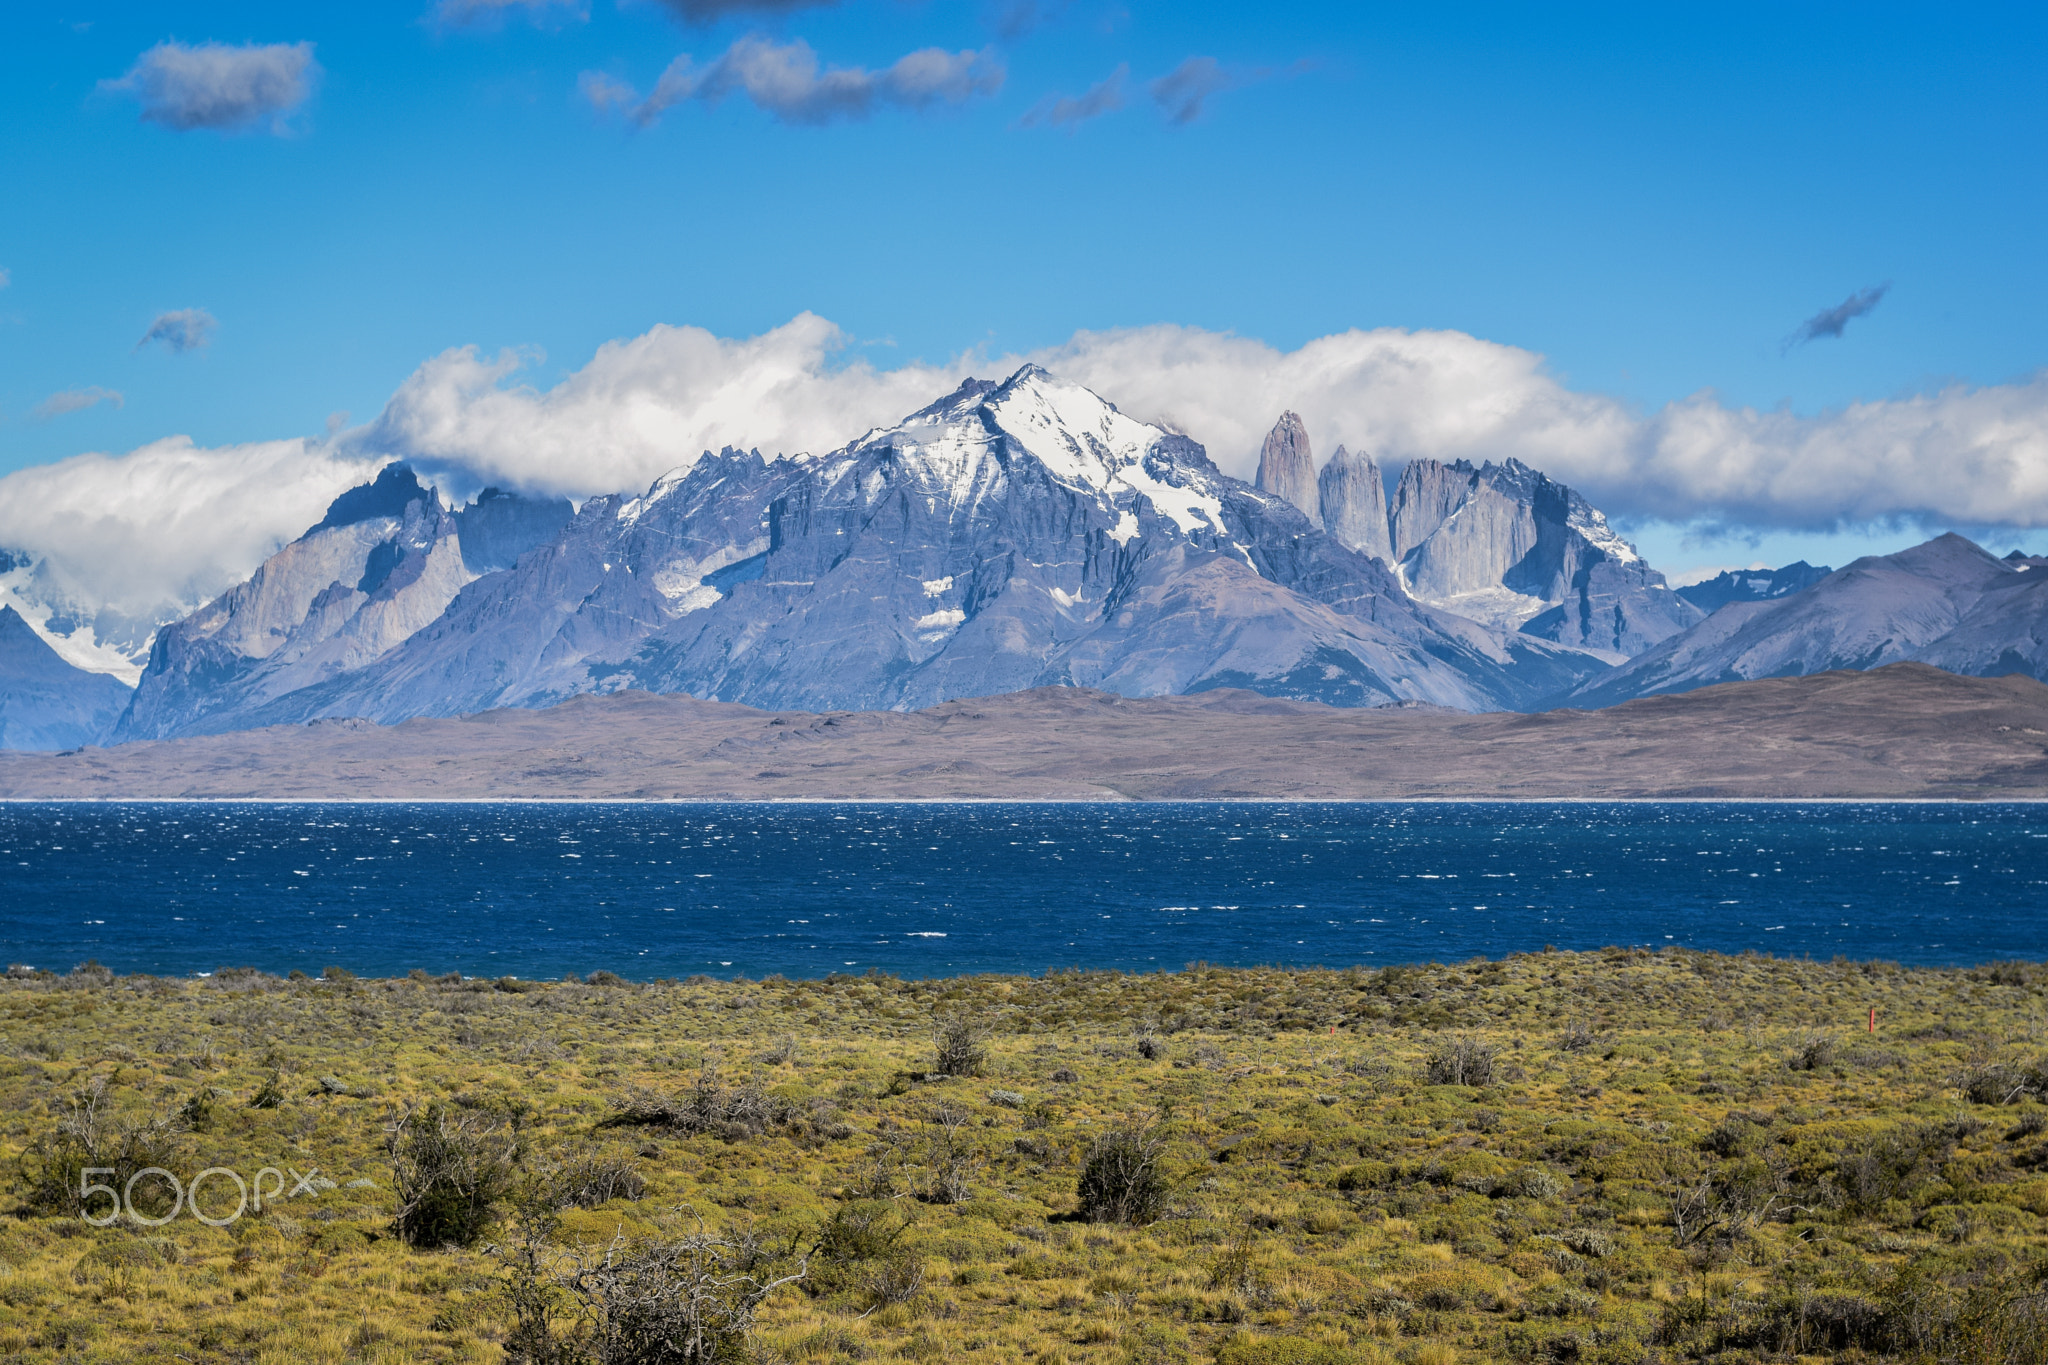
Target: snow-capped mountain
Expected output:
[1006,536]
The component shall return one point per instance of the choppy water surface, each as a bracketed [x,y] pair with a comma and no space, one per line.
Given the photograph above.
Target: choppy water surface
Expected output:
[649,890]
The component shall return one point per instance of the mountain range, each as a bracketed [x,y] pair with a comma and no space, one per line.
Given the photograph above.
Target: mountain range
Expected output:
[1009,536]
[1948,603]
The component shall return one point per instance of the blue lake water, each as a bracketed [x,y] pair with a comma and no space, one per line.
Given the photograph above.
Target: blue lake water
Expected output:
[926,890]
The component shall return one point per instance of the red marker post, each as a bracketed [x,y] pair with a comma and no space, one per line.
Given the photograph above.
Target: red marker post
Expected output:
[1873,1018]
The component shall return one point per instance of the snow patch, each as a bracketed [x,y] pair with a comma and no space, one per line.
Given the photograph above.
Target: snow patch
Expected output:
[1500,607]
[1084,440]
[1065,599]
[696,597]
[1126,528]
[947,619]
[935,586]
[1592,524]
[631,509]
[681,581]
[82,647]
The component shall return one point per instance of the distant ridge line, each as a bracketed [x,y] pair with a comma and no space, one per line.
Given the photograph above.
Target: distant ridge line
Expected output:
[1906,731]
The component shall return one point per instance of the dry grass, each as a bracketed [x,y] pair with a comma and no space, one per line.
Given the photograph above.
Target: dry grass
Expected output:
[1672,1156]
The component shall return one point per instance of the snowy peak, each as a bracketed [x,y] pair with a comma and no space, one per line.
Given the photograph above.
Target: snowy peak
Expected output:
[965,448]
[1081,438]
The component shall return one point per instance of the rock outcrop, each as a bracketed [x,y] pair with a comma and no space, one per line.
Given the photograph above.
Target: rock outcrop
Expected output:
[1506,545]
[45,702]
[1287,468]
[1353,500]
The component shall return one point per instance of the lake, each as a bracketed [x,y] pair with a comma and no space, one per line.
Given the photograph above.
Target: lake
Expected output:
[536,890]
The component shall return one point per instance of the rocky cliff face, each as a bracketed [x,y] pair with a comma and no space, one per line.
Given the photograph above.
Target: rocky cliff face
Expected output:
[45,702]
[1287,468]
[1506,545]
[1009,535]
[1947,603]
[1353,500]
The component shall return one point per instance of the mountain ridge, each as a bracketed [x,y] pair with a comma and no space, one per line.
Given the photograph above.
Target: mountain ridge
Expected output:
[47,702]
[1947,602]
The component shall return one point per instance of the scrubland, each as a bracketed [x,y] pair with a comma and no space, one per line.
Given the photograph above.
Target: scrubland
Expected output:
[1560,1157]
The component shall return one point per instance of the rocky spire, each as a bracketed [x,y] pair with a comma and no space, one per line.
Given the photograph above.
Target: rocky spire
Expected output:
[1286,468]
[1354,503]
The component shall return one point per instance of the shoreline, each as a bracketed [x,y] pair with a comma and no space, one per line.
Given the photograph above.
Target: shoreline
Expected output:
[1118,802]
[92,969]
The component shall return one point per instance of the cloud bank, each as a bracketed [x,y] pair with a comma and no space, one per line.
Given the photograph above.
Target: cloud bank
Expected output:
[641,407]
[186,329]
[217,86]
[785,81]
[1965,456]
[172,521]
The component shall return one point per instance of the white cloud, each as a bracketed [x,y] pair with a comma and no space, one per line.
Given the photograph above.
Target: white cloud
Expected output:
[1396,393]
[214,85]
[186,329]
[1181,92]
[170,523]
[784,80]
[449,14]
[1071,111]
[6,278]
[643,406]
[76,400]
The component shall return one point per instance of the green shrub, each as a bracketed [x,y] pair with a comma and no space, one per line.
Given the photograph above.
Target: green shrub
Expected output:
[1366,1175]
[1120,1180]
[1245,1349]
[451,1171]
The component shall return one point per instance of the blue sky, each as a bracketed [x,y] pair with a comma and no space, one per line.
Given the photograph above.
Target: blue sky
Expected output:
[1654,198]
